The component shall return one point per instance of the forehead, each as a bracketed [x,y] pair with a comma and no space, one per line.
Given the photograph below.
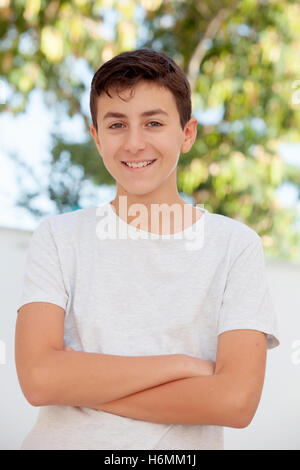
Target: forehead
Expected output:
[142,95]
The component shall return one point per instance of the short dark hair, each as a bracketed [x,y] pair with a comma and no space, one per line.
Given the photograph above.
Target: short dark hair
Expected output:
[128,68]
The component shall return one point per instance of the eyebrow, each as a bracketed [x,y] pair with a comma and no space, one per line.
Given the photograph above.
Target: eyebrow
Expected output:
[151,112]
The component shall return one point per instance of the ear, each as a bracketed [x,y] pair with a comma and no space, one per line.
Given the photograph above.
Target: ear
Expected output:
[190,134]
[93,130]
[96,138]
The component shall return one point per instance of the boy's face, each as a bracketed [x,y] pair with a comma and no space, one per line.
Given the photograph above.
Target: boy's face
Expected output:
[135,137]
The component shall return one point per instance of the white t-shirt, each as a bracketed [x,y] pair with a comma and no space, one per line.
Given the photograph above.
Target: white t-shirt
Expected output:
[134,293]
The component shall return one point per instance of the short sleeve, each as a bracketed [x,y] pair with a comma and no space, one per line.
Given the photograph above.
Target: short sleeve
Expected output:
[247,302]
[43,280]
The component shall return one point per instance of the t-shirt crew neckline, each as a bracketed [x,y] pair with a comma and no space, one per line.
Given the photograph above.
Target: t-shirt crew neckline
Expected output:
[196,227]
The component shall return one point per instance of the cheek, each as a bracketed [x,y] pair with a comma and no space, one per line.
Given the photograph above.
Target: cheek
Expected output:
[168,142]
[109,152]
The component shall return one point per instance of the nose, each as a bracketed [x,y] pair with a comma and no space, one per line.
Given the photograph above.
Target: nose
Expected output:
[134,140]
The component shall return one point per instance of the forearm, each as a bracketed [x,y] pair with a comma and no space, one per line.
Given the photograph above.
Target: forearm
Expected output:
[86,379]
[203,400]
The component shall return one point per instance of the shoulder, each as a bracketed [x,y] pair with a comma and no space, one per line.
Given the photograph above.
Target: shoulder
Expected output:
[232,232]
[68,224]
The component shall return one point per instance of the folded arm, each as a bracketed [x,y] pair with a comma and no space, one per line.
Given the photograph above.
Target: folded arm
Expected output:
[229,398]
[160,388]
[48,375]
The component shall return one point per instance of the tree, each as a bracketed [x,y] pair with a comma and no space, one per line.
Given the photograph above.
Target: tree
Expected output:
[239,56]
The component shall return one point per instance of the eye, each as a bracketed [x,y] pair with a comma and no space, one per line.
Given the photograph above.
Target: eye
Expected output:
[111,127]
[151,122]
[155,122]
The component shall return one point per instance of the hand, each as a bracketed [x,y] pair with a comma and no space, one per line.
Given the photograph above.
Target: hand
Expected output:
[200,366]
[68,348]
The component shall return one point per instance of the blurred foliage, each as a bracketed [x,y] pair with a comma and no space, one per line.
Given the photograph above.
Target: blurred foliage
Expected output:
[240,56]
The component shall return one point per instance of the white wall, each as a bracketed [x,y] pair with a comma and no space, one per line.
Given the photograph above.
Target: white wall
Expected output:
[276,424]
[16,414]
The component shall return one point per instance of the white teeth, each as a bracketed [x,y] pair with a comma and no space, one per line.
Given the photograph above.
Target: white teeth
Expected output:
[138,165]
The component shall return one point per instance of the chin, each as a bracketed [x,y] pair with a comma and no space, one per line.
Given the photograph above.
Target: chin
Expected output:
[138,187]
[136,192]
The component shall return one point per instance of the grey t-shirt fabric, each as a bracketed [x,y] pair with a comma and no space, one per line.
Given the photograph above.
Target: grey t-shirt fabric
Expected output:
[134,293]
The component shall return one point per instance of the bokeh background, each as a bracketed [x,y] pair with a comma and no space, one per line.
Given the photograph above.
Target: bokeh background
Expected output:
[242,59]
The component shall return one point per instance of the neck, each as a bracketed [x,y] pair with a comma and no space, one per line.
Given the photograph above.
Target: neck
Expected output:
[157,217]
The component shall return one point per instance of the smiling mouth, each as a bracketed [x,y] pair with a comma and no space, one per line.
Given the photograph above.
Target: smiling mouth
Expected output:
[138,167]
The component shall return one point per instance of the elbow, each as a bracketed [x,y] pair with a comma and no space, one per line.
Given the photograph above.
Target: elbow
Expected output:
[242,421]
[36,380]
[239,404]
[34,392]
[32,396]
[244,415]
[33,399]
[236,419]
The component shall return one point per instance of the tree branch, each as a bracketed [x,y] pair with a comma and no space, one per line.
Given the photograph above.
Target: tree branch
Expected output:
[200,51]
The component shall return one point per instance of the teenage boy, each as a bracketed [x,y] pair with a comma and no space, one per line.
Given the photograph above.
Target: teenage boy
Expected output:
[136,334]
